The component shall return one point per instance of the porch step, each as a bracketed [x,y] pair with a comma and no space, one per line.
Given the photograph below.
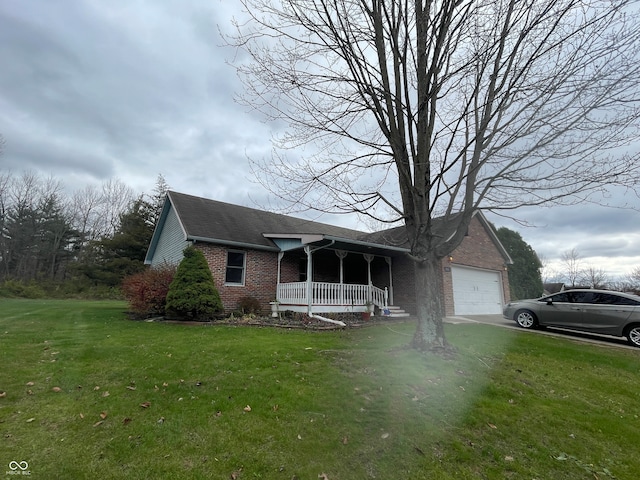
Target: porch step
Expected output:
[396,312]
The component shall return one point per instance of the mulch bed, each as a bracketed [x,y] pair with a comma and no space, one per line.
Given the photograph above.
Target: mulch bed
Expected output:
[287,321]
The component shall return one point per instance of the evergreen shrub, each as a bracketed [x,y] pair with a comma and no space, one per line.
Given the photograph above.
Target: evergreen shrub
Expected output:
[192,294]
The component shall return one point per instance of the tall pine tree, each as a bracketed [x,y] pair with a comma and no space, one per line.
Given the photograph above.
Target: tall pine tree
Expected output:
[525,280]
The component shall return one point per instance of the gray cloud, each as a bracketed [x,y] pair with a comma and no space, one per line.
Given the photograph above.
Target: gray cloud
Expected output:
[93,90]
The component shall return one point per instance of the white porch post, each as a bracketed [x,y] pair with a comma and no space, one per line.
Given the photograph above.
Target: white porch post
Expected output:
[369,258]
[388,260]
[280,255]
[341,255]
[307,250]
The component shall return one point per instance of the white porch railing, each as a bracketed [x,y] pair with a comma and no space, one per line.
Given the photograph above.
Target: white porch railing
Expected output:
[339,294]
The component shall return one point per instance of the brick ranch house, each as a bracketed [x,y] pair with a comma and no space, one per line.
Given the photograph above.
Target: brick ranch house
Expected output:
[317,268]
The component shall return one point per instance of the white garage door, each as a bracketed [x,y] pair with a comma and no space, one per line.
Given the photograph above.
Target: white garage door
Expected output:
[476,292]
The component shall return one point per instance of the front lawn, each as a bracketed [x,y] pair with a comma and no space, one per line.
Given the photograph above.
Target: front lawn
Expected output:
[87,393]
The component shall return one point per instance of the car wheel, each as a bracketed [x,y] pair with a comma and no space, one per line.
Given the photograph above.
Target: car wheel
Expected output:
[527,319]
[633,335]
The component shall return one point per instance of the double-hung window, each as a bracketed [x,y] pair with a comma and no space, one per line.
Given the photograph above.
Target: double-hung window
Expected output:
[235,268]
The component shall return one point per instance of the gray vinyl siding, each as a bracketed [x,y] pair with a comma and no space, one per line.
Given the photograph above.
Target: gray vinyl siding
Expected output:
[171,242]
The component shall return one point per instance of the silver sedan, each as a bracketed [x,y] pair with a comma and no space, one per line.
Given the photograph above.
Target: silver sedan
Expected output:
[595,311]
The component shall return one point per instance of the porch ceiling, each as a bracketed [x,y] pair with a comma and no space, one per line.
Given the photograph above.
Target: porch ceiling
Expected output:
[288,242]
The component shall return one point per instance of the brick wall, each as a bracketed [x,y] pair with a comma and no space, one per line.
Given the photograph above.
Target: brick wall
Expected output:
[476,250]
[261,274]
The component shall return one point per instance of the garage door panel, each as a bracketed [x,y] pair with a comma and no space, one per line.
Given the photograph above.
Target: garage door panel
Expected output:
[476,291]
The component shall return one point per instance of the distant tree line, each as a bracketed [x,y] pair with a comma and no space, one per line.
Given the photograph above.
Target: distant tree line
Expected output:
[529,270]
[574,272]
[72,243]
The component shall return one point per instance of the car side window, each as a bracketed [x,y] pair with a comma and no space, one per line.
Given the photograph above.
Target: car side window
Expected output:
[581,297]
[605,299]
[557,298]
[625,301]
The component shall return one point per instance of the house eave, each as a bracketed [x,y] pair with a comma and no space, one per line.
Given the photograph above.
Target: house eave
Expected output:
[367,245]
[231,243]
[339,243]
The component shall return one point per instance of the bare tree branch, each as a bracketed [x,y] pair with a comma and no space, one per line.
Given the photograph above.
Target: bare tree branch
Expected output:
[413,110]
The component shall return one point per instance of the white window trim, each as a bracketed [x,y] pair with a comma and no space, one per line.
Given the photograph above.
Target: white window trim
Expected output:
[244,269]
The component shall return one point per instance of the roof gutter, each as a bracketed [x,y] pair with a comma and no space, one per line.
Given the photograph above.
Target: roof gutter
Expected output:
[366,244]
[231,243]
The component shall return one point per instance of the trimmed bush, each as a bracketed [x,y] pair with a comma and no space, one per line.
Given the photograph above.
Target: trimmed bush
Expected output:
[147,291]
[192,294]
[248,305]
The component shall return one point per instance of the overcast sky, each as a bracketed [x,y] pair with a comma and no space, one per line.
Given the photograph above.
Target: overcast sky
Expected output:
[92,90]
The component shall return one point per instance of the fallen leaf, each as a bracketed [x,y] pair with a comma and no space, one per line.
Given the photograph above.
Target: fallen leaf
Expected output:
[145,404]
[508,458]
[299,437]
[323,476]
[275,408]
[97,424]
[165,384]
[96,388]
[385,435]
[126,421]
[29,420]
[56,389]
[3,394]
[131,388]
[30,384]
[218,413]
[235,475]
[103,415]
[345,440]
[105,394]
[82,415]
[247,408]
[29,392]
[492,425]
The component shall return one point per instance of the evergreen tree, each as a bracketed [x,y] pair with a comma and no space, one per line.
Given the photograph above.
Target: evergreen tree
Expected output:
[192,293]
[525,280]
[111,259]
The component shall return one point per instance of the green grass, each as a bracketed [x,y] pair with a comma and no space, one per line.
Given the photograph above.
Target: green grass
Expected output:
[352,404]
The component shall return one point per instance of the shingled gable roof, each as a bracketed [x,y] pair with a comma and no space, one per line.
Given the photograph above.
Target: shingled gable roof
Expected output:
[397,236]
[212,221]
[218,222]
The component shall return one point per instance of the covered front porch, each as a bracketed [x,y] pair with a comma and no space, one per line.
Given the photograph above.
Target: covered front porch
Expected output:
[317,274]
[323,297]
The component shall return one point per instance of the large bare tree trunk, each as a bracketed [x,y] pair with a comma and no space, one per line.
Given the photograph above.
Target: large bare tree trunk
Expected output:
[423,110]
[429,334]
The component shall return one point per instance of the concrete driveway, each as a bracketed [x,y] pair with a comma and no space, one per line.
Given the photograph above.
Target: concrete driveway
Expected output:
[500,321]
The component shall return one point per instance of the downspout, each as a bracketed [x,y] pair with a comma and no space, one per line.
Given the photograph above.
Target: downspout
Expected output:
[325,319]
